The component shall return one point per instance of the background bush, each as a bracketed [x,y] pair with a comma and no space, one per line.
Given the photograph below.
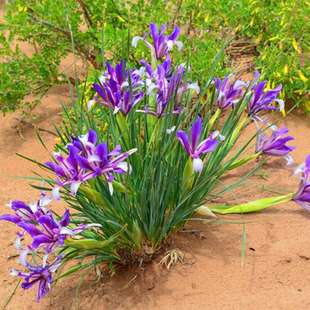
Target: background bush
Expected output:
[96,31]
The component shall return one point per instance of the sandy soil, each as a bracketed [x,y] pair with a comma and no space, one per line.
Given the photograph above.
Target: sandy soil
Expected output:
[274,274]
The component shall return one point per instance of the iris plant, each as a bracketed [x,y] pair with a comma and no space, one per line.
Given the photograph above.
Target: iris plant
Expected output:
[162,190]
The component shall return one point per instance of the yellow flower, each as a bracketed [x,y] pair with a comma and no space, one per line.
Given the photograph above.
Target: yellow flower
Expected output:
[21,9]
[120,18]
[302,77]
[296,47]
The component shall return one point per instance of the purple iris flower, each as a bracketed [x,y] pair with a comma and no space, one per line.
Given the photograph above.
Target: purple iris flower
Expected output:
[191,144]
[106,163]
[30,212]
[167,90]
[119,88]
[168,86]
[24,212]
[86,144]
[276,144]
[302,197]
[49,233]
[67,170]
[41,274]
[97,159]
[87,160]
[228,91]
[161,44]
[262,100]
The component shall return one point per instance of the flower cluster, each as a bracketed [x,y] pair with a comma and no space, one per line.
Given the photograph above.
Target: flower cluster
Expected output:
[37,274]
[230,91]
[87,160]
[167,85]
[48,234]
[119,89]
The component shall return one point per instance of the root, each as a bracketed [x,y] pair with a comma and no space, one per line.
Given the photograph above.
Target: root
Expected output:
[172,257]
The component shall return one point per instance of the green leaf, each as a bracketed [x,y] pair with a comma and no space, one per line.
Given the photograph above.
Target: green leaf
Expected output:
[252,206]
[88,244]
[242,161]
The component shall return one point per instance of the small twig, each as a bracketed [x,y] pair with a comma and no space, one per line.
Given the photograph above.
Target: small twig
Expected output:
[82,51]
[12,256]
[77,290]
[130,281]
[190,231]
[86,13]
[36,127]
[177,11]
[11,296]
